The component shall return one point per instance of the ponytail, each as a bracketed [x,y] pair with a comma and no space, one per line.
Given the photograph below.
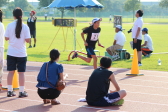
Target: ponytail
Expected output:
[1,13]
[17,13]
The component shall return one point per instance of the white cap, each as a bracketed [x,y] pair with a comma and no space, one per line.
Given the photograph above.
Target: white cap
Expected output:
[95,20]
[119,27]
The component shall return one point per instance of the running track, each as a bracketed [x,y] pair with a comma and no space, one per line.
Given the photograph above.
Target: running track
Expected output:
[147,93]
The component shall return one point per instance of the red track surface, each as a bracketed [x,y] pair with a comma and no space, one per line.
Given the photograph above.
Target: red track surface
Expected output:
[148,93]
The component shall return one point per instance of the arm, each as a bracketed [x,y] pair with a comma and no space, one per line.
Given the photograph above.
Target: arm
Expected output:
[145,43]
[114,82]
[114,43]
[61,77]
[82,35]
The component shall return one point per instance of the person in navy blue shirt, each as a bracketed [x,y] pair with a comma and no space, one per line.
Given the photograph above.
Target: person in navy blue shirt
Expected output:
[54,74]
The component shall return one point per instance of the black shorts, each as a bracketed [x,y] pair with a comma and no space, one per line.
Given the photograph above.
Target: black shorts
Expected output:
[33,34]
[90,51]
[48,93]
[107,100]
[137,45]
[16,63]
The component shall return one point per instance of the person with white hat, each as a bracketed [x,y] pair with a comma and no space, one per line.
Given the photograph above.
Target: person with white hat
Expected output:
[147,47]
[93,33]
[119,41]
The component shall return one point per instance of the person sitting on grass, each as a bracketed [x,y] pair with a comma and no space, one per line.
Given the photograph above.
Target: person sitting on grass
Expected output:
[147,47]
[98,86]
[119,41]
[93,33]
[47,91]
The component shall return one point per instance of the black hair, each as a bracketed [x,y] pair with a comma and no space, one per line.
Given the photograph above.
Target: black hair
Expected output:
[140,12]
[17,12]
[1,13]
[146,32]
[54,54]
[105,62]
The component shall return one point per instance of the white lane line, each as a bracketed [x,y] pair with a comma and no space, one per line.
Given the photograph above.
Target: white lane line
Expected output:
[64,104]
[126,91]
[7,110]
[118,83]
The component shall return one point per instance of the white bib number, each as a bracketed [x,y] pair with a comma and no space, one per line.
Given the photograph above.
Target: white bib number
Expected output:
[95,36]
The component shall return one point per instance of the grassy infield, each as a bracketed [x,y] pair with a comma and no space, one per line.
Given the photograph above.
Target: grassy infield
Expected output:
[46,32]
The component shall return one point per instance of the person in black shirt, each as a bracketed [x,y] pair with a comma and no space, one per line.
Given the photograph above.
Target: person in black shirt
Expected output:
[98,87]
[31,22]
[93,33]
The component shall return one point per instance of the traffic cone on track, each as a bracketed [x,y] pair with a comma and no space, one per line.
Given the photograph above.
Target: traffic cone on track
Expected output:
[135,67]
[15,82]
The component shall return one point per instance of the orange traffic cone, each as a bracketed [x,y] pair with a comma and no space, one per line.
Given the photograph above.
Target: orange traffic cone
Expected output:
[15,82]
[135,67]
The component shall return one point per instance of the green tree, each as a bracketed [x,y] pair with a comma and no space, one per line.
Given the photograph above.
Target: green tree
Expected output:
[163,3]
[45,3]
[132,5]
[3,2]
[23,4]
[62,10]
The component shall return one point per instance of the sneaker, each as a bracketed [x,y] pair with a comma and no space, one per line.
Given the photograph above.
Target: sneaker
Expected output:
[75,55]
[11,93]
[23,94]
[139,64]
[34,45]
[30,46]
[118,103]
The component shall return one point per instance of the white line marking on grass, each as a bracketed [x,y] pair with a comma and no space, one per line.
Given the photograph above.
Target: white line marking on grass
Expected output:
[64,104]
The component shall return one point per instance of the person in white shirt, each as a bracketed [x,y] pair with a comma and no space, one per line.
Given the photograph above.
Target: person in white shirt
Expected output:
[110,18]
[137,35]
[45,15]
[17,33]
[147,47]
[119,41]
[2,31]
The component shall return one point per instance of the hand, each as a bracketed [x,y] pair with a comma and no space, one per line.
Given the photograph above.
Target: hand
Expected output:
[86,44]
[135,40]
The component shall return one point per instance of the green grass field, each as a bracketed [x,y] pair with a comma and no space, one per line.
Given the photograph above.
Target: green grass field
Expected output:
[46,32]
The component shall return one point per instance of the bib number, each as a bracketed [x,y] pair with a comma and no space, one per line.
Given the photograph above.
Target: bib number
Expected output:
[95,36]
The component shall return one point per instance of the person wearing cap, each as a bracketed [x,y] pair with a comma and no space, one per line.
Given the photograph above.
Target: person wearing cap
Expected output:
[31,22]
[2,32]
[93,33]
[137,35]
[147,47]
[119,41]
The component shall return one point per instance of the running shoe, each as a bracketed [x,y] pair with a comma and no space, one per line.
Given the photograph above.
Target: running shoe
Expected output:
[139,64]
[118,103]
[34,45]
[30,46]
[75,55]
[11,93]
[23,94]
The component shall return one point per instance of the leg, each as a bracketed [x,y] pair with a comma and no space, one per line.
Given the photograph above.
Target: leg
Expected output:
[109,51]
[139,56]
[122,93]
[88,60]
[94,61]
[1,64]
[10,77]
[21,79]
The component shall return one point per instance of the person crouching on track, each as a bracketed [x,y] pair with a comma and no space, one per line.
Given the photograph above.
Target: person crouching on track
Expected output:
[98,86]
[119,41]
[46,86]
[93,33]
[147,47]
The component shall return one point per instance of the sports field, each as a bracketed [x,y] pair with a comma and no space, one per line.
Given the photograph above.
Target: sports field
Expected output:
[46,32]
